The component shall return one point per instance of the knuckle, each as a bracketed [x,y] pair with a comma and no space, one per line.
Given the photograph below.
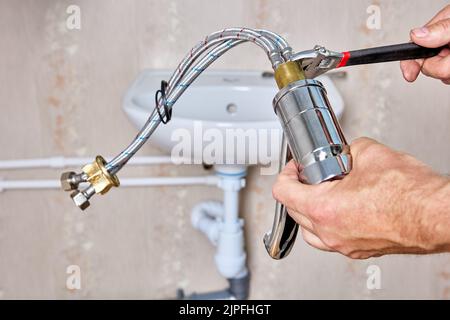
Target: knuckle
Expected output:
[439,28]
[318,216]
[362,142]
[444,71]
[444,25]
[376,149]
[439,72]
[427,71]
[366,147]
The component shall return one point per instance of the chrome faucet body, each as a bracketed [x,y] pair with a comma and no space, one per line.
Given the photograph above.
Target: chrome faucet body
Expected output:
[314,139]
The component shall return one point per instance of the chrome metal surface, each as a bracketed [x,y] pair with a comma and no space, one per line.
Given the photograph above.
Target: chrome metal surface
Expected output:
[317,61]
[81,198]
[279,240]
[317,143]
[70,180]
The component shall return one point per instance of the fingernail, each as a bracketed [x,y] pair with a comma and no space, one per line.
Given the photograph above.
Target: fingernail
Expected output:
[420,32]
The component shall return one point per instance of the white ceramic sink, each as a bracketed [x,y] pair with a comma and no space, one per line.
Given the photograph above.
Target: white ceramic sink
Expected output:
[218,104]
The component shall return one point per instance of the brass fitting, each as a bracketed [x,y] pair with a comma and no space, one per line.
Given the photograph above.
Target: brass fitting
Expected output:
[99,177]
[287,73]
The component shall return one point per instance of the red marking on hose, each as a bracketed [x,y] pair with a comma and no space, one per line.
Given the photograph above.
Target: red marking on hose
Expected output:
[239,33]
[343,62]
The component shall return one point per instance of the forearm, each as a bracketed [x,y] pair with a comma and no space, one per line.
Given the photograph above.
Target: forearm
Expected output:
[435,213]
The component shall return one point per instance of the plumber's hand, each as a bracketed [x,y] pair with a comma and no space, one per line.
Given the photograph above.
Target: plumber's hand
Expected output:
[434,34]
[389,203]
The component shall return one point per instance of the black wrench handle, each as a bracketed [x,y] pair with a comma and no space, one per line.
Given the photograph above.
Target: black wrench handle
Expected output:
[396,52]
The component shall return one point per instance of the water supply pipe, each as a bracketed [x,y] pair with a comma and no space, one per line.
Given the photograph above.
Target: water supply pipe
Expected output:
[209,180]
[63,162]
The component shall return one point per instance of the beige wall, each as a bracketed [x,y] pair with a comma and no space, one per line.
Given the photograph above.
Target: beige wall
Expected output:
[138,243]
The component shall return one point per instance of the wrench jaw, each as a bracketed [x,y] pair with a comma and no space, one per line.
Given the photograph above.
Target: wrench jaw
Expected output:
[317,61]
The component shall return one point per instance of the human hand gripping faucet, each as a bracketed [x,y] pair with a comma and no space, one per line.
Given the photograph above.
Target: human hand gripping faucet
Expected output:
[390,203]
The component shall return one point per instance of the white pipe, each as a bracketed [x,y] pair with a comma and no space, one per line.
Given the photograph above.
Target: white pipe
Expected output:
[29,184]
[169,181]
[230,255]
[62,162]
[125,182]
[205,217]
[231,210]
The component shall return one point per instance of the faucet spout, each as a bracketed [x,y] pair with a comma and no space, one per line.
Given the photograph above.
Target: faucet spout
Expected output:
[281,238]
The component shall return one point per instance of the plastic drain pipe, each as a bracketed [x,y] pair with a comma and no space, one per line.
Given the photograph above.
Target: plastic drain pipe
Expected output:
[220,222]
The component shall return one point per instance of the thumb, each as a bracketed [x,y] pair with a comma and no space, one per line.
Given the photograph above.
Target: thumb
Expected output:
[434,35]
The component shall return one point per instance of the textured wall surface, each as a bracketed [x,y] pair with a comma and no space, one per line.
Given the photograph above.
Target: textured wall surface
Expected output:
[55,85]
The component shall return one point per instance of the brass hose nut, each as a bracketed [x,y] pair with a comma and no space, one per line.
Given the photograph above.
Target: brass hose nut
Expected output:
[99,177]
[287,73]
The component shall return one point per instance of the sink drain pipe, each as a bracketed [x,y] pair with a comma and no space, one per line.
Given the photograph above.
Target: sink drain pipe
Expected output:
[238,289]
[221,224]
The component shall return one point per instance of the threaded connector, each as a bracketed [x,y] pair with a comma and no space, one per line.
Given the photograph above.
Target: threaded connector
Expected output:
[98,177]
